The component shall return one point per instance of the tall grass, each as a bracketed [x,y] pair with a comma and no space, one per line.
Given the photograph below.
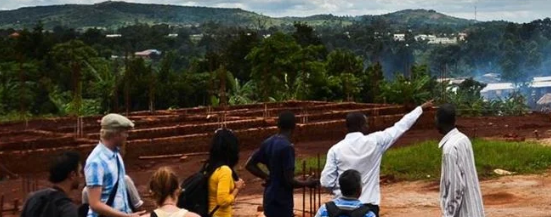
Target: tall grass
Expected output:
[423,160]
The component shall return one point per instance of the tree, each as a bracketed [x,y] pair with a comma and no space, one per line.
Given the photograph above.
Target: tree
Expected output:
[350,85]
[304,35]
[406,91]
[237,50]
[271,64]
[242,93]
[72,56]
[375,79]
[341,61]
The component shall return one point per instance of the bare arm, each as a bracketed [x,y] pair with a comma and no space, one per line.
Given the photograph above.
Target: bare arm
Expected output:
[94,195]
[252,167]
[294,183]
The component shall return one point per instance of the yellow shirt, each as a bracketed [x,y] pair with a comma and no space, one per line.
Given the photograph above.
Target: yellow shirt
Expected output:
[221,185]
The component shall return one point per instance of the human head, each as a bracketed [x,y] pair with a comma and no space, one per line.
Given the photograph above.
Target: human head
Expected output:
[66,168]
[286,121]
[350,183]
[356,122]
[224,149]
[164,184]
[114,129]
[445,118]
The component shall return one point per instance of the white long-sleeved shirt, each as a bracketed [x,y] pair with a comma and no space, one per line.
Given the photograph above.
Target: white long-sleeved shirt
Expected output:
[364,154]
[460,193]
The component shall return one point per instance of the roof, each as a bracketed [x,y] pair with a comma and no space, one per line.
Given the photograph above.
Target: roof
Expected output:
[511,86]
[148,52]
[497,86]
[545,99]
[546,78]
[14,35]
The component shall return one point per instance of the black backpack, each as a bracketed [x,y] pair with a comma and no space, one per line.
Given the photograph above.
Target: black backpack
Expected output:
[334,211]
[45,204]
[195,194]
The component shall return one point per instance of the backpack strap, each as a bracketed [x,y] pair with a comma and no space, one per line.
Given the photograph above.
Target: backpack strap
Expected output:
[153,214]
[360,211]
[211,213]
[113,193]
[332,209]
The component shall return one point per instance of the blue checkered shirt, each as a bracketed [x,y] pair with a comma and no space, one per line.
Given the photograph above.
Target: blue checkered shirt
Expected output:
[345,204]
[101,170]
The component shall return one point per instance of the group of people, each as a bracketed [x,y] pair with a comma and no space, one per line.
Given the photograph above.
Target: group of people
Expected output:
[351,173]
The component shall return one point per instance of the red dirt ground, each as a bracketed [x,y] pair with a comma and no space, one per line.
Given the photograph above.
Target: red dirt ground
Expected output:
[528,196]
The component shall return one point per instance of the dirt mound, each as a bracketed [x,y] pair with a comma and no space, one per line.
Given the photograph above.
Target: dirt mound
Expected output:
[499,198]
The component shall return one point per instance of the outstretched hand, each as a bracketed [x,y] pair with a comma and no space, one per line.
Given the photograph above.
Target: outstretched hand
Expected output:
[428,104]
[312,182]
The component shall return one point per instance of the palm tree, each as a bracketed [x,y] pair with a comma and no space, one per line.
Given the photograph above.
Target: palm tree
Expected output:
[242,94]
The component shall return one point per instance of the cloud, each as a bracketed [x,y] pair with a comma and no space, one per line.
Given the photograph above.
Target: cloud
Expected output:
[512,10]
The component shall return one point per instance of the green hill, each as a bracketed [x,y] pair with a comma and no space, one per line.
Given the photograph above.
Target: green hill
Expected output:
[116,14]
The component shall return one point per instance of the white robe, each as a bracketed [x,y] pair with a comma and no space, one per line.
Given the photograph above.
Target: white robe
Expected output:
[460,193]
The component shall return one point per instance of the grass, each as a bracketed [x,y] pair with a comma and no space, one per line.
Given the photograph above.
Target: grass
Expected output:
[423,161]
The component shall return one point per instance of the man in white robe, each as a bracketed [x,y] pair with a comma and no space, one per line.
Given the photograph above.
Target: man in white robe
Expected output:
[460,193]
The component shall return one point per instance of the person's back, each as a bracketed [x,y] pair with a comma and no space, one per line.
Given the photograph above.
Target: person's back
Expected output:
[364,153]
[276,154]
[221,186]
[344,207]
[348,205]
[49,202]
[367,159]
[65,176]
[175,213]
[165,189]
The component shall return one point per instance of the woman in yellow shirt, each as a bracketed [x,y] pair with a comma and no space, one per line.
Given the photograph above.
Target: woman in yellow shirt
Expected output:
[224,183]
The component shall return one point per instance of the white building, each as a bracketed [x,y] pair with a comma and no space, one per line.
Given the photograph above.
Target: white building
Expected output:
[399,37]
[113,35]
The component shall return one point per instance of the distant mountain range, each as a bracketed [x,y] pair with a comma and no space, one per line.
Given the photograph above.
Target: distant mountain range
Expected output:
[116,14]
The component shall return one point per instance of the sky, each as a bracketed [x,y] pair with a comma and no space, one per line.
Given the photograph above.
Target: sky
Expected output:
[510,10]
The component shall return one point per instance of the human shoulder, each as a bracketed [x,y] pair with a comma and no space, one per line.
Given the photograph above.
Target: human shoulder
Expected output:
[456,141]
[224,169]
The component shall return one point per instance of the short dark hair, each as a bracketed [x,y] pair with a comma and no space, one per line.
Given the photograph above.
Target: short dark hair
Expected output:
[63,165]
[445,114]
[355,121]
[350,183]
[287,121]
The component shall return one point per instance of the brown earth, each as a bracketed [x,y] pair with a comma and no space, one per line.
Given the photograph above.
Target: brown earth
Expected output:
[528,196]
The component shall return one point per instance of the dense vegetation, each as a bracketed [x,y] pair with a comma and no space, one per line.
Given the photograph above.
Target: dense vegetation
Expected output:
[422,161]
[70,72]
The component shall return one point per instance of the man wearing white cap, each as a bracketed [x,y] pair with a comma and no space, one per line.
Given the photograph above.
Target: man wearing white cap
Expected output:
[105,172]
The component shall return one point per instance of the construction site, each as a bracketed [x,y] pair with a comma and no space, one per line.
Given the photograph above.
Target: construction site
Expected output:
[180,139]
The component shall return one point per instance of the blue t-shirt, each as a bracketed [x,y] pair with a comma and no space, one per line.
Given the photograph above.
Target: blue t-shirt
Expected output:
[342,203]
[278,154]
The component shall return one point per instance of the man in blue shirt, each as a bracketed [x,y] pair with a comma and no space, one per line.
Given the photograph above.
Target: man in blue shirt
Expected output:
[105,172]
[278,155]
[348,205]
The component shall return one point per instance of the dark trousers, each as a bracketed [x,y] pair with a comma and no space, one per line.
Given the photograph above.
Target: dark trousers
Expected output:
[374,208]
